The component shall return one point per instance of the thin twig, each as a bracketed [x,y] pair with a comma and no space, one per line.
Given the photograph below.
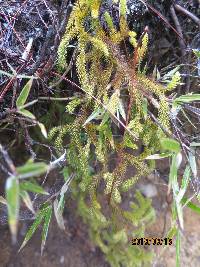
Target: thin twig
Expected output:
[178,27]
[8,160]
[187,13]
[56,98]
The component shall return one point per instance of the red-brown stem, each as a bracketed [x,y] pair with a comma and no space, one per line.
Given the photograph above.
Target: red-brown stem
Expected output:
[11,82]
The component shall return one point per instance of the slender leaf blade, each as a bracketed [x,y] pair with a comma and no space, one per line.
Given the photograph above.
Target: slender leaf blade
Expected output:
[184,185]
[26,113]
[190,205]
[187,98]
[24,94]
[27,200]
[12,198]
[31,169]
[170,145]
[33,228]
[159,156]
[47,220]
[178,246]
[43,129]
[193,164]
[95,115]
[58,213]
[33,187]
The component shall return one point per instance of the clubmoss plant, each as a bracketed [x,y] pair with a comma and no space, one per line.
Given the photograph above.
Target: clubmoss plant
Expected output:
[116,92]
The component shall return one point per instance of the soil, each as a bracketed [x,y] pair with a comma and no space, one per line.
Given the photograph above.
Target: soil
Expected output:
[72,248]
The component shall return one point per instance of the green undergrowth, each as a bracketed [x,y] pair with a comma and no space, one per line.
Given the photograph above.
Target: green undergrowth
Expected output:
[120,112]
[116,93]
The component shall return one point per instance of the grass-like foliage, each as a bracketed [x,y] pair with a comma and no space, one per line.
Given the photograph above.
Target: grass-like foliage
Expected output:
[120,113]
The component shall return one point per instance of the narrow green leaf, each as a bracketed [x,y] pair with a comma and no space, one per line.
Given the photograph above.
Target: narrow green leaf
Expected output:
[172,232]
[190,205]
[95,115]
[193,164]
[187,98]
[43,129]
[61,203]
[179,209]
[24,94]
[26,113]
[145,108]
[160,156]
[33,227]
[170,144]
[66,185]
[47,220]
[32,187]
[122,110]
[31,169]
[12,198]
[184,184]
[66,172]
[58,213]
[170,73]
[176,161]
[178,247]
[197,52]
[27,201]
[105,118]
